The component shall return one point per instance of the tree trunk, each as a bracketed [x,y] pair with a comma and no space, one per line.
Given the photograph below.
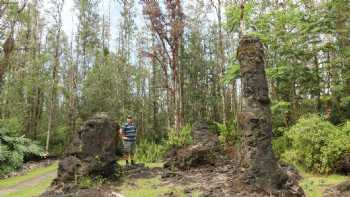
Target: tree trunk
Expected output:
[53,95]
[222,63]
[342,30]
[258,163]
[8,47]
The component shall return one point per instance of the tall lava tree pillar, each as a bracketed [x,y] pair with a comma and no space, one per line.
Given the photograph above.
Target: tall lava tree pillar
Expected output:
[258,164]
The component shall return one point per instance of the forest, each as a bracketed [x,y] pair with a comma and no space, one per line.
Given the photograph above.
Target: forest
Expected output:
[270,78]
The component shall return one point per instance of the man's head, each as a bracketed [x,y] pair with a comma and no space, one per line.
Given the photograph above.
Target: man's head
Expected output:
[129,119]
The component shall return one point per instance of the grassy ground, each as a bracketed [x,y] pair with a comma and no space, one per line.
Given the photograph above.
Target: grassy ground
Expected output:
[152,187]
[314,185]
[32,174]
[32,191]
[30,185]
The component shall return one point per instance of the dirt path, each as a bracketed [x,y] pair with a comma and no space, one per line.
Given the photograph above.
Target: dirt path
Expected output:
[27,183]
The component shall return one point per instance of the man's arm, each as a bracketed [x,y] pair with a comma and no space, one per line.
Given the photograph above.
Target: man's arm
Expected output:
[122,134]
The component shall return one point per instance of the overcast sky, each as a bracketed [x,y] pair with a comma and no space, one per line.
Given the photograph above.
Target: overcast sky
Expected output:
[70,18]
[69,15]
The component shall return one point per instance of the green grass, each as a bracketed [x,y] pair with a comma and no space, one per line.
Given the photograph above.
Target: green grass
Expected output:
[314,185]
[32,174]
[154,165]
[149,165]
[32,191]
[152,187]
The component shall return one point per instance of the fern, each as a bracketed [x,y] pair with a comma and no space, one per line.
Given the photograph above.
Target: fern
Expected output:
[13,149]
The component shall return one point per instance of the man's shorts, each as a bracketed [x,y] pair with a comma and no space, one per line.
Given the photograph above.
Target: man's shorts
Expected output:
[129,147]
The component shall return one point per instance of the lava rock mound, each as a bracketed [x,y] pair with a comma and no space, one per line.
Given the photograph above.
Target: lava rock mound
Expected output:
[204,150]
[91,153]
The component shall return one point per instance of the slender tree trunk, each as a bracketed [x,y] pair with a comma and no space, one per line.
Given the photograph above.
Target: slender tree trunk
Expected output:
[53,94]
[221,62]
[342,29]
[318,93]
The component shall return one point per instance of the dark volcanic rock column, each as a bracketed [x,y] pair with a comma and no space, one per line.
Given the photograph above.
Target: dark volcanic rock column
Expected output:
[92,150]
[91,153]
[258,164]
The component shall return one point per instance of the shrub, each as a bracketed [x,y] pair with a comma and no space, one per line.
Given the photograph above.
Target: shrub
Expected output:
[228,134]
[280,145]
[13,149]
[345,108]
[346,128]
[280,111]
[149,151]
[281,117]
[88,182]
[180,139]
[316,144]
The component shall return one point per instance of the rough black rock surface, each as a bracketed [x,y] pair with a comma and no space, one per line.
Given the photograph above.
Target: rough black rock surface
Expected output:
[340,190]
[90,154]
[203,151]
[258,165]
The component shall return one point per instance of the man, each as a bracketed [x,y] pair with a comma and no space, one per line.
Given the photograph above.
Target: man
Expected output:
[128,133]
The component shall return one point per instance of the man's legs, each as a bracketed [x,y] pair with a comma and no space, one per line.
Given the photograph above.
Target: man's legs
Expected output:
[132,152]
[126,158]
[126,152]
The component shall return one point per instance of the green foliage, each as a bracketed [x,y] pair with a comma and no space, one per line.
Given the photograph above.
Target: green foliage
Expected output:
[13,149]
[149,151]
[89,182]
[308,106]
[232,73]
[11,125]
[280,117]
[280,144]
[228,134]
[180,139]
[233,14]
[345,107]
[58,140]
[346,128]
[315,144]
